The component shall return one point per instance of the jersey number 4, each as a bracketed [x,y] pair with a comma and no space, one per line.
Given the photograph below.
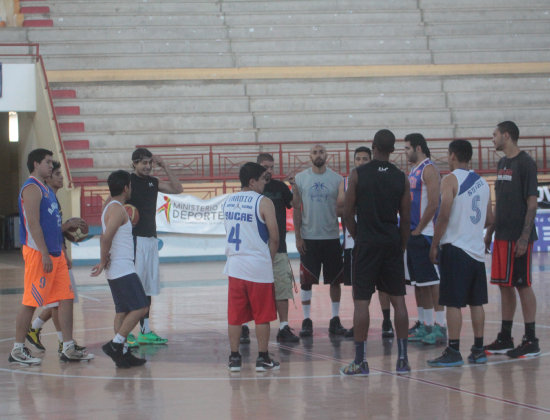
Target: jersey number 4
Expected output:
[234,236]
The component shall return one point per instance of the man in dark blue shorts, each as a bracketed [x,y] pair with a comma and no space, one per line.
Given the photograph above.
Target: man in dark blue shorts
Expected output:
[379,192]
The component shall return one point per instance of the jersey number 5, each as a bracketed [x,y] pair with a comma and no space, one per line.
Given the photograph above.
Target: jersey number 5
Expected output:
[475,207]
[234,236]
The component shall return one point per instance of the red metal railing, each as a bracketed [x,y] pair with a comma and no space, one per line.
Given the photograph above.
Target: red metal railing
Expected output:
[36,56]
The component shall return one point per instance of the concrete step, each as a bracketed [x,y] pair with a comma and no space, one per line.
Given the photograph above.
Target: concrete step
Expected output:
[474,4]
[351,119]
[10,35]
[108,20]
[98,47]
[343,86]
[489,28]
[153,106]
[498,99]
[161,122]
[132,7]
[289,6]
[449,15]
[490,56]
[497,84]
[501,42]
[122,33]
[322,45]
[522,115]
[154,89]
[339,17]
[347,103]
[486,128]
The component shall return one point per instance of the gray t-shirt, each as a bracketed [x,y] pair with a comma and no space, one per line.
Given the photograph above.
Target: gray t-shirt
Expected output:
[319,193]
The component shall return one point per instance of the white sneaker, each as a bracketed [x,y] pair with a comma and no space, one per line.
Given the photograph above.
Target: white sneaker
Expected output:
[72,354]
[23,356]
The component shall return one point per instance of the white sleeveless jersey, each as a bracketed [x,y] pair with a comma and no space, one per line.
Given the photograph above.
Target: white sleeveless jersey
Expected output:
[122,249]
[468,213]
[246,247]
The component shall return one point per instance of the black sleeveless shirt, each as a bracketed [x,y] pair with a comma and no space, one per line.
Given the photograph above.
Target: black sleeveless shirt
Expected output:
[144,198]
[380,187]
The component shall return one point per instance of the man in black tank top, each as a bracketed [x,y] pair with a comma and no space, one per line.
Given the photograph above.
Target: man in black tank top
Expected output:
[144,197]
[377,192]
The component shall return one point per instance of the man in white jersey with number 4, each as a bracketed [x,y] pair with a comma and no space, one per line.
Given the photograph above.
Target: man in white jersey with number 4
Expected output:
[252,240]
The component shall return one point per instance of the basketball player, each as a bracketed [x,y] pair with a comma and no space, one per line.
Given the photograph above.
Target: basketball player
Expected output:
[252,240]
[424,181]
[516,207]
[117,259]
[55,182]
[464,212]
[318,236]
[145,189]
[361,156]
[46,273]
[378,192]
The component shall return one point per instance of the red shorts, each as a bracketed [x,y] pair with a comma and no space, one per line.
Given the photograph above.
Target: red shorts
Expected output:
[247,301]
[43,288]
[506,269]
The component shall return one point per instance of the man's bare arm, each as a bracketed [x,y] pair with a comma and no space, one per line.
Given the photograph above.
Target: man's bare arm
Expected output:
[449,187]
[523,241]
[405,215]
[430,177]
[267,211]
[173,185]
[32,196]
[350,204]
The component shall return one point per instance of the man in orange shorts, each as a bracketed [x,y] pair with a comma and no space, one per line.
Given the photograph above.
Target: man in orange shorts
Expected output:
[46,273]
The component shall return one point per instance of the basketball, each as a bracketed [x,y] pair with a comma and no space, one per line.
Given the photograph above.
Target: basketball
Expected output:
[133,213]
[77,234]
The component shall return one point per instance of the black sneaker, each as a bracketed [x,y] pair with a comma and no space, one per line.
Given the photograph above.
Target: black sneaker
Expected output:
[387,329]
[235,363]
[477,356]
[114,351]
[133,360]
[335,326]
[265,364]
[349,333]
[500,346]
[245,335]
[449,358]
[286,335]
[307,328]
[527,348]
[413,329]
[402,367]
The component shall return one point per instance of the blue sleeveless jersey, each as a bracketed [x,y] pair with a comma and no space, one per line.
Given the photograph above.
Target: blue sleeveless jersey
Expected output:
[419,198]
[50,219]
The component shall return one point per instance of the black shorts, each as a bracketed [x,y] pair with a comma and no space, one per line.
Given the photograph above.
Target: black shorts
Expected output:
[421,270]
[463,279]
[128,293]
[348,266]
[378,266]
[325,252]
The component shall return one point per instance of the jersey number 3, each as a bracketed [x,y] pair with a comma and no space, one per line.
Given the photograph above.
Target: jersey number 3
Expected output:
[234,236]
[475,207]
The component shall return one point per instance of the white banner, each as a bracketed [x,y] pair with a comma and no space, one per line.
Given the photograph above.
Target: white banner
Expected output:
[188,214]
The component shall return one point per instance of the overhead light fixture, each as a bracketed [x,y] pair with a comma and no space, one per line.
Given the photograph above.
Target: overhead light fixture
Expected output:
[13,127]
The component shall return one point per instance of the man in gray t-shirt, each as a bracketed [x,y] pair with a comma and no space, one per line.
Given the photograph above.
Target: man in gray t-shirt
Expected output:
[318,236]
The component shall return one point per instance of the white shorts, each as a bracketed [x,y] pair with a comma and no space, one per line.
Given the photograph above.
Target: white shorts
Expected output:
[147,264]
[73,286]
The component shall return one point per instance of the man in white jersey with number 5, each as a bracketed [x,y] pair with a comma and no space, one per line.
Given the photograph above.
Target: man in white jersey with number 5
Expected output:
[252,240]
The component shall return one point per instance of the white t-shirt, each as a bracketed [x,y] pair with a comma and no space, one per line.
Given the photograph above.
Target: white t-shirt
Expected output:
[246,246]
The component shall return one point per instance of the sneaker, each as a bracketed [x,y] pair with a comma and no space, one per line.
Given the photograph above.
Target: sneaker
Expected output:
[131,341]
[477,356]
[500,346]
[286,335]
[414,327]
[335,326]
[132,359]
[114,351]
[438,335]
[449,358]
[402,367]
[354,369]
[245,335]
[76,346]
[307,328]
[235,363]
[525,349]
[387,329]
[23,356]
[72,354]
[349,333]
[33,335]
[422,331]
[151,338]
[263,364]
